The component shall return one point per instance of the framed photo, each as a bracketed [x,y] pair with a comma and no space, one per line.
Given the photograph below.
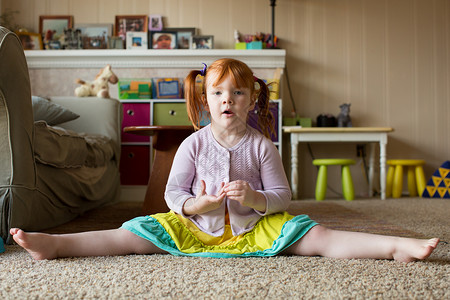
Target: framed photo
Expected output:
[95,30]
[184,36]
[95,42]
[156,23]
[95,36]
[30,41]
[164,39]
[137,40]
[52,27]
[130,23]
[115,42]
[203,42]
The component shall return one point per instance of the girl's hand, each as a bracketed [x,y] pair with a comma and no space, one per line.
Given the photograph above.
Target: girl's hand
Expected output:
[241,191]
[203,202]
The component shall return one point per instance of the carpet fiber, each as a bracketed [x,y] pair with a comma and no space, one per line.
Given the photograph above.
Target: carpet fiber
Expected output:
[166,276]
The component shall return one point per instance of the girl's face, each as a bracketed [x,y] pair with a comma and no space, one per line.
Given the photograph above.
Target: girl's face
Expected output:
[228,105]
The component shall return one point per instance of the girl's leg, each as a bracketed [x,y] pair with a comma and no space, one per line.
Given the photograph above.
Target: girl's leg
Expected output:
[93,243]
[345,244]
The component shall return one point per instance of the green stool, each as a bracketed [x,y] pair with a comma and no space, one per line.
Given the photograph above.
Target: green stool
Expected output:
[347,182]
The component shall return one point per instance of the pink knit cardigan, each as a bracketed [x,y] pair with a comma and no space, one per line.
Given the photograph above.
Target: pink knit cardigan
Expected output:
[254,159]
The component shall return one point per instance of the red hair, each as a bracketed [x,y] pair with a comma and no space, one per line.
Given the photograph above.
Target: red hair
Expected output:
[241,75]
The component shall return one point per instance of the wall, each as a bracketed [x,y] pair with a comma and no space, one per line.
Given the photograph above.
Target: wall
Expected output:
[389,59]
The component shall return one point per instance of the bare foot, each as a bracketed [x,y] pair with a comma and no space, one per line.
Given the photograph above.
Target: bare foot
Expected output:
[39,245]
[414,249]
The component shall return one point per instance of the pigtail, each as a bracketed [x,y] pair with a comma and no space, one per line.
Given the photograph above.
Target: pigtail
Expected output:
[193,95]
[265,117]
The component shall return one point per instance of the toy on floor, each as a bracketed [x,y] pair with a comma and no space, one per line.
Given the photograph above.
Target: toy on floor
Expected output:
[439,184]
[99,87]
[343,118]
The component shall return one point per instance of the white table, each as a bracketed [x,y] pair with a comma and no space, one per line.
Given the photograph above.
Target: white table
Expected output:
[340,134]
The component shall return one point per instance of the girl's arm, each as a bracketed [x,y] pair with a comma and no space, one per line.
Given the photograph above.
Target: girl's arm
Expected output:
[275,186]
[181,177]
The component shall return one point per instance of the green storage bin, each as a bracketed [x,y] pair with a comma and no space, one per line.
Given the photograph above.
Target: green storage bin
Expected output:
[170,114]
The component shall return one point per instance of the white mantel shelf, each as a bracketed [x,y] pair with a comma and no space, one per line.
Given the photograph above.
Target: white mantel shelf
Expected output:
[192,59]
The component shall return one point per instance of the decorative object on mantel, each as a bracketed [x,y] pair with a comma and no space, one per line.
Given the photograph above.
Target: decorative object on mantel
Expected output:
[124,24]
[71,39]
[99,87]
[137,40]
[155,23]
[343,119]
[30,40]
[202,42]
[164,39]
[96,36]
[53,28]
[184,36]
[259,40]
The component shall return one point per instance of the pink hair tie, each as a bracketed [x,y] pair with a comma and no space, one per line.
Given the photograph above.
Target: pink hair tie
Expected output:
[255,78]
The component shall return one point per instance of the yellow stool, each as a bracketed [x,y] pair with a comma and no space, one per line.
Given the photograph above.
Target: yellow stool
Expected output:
[346,177]
[416,177]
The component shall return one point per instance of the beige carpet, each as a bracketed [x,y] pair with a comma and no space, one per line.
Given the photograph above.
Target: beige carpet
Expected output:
[165,276]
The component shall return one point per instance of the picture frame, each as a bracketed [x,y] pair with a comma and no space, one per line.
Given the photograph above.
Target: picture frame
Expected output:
[94,42]
[202,42]
[95,36]
[184,36]
[51,27]
[164,39]
[125,23]
[72,40]
[167,88]
[155,23]
[95,30]
[115,42]
[30,41]
[137,40]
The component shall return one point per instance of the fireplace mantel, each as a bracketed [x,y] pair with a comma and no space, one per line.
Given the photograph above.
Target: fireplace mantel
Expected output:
[63,59]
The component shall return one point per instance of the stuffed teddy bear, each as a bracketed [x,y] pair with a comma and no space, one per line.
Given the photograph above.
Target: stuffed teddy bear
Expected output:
[99,87]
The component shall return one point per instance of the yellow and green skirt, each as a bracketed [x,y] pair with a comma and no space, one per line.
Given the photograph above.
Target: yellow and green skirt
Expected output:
[179,236]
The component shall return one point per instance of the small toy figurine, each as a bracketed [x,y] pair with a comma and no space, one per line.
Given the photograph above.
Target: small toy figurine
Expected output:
[99,87]
[343,118]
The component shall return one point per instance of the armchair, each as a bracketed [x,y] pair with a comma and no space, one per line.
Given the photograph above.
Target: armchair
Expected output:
[39,189]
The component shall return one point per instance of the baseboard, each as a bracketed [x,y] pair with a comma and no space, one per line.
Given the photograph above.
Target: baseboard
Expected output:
[132,193]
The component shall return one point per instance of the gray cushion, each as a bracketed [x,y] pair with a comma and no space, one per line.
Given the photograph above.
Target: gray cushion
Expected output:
[53,114]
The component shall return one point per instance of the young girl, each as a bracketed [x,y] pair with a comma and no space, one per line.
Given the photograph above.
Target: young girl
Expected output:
[227,192]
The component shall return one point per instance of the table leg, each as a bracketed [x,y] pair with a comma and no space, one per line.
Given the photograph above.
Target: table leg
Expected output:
[165,145]
[383,168]
[154,196]
[294,166]
[371,167]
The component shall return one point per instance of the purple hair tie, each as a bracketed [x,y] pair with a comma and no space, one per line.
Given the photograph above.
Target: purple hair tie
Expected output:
[255,78]
[203,72]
